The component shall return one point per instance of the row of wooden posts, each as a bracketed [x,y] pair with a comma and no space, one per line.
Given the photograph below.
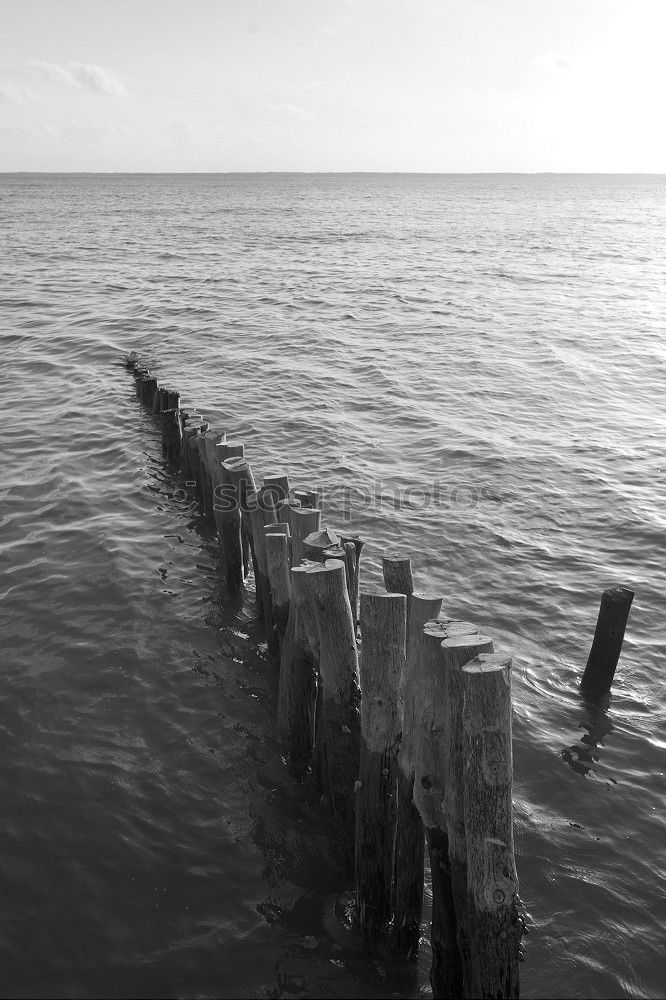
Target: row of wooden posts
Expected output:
[400,714]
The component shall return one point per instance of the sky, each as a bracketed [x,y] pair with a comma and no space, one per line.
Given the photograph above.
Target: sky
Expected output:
[333,85]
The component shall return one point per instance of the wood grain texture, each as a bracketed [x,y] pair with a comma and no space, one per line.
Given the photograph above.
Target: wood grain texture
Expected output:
[338,735]
[383,621]
[491,963]
[410,832]
[607,643]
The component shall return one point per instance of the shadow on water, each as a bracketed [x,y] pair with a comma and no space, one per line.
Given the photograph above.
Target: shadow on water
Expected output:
[584,756]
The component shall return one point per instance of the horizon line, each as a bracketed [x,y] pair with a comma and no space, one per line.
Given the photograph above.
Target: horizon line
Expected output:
[344,173]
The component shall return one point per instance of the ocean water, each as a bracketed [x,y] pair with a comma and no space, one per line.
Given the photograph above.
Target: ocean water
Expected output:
[470,367]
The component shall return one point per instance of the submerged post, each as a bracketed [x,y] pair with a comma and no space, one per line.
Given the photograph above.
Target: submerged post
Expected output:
[607,644]
[383,631]
[494,927]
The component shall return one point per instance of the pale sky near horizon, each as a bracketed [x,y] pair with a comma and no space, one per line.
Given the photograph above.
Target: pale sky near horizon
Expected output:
[319,85]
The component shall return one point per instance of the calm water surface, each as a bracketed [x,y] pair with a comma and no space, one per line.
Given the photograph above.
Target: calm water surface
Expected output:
[472,368]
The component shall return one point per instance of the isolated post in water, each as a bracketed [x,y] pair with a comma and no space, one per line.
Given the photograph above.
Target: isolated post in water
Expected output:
[410,835]
[383,622]
[338,735]
[494,927]
[607,643]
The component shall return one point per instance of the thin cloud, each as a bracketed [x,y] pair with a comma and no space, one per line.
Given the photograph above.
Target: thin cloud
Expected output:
[14,93]
[296,112]
[551,61]
[83,76]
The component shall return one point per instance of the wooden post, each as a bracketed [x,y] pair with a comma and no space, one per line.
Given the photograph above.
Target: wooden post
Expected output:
[192,428]
[494,927]
[307,498]
[277,561]
[171,447]
[242,480]
[410,836]
[297,691]
[304,521]
[278,485]
[284,509]
[607,644]
[201,473]
[397,572]
[260,514]
[338,736]
[437,750]
[383,622]
[318,542]
[354,571]
[227,514]
[153,390]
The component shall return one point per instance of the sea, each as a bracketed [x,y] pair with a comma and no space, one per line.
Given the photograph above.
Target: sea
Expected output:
[471,369]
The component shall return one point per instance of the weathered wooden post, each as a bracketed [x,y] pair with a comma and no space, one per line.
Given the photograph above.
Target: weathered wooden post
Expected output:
[191,428]
[277,561]
[304,520]
[410,836]
[242,480]
[318,542]
[211,468]
[157,400]
[297,691]
[284,509]
[307,498]
[148,391]
[383,622]
[261,513]
[353,568]
[227,514]
[494,928]
[438,772]
[397,573]
[338,736]
[607,644]
[278,484]
[198,446]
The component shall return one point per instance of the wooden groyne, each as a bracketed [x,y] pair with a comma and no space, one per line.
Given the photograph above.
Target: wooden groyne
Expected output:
[397,714]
